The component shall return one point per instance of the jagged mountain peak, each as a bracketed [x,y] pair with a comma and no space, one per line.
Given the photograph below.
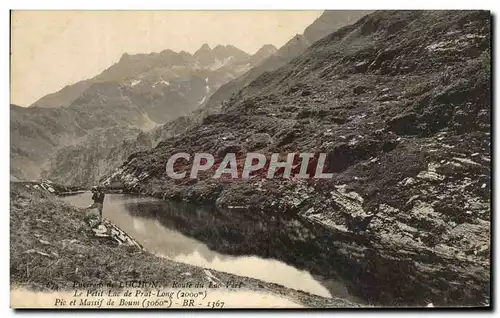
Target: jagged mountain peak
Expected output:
[221,51]
[263,53]
[204,55]
[226,51]
[204,48]
[124,58]
[219,55]
[220,47]
[235,50]
[267,48]
[168,52]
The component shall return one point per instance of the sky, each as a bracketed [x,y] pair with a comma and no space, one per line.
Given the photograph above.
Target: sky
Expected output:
[52,49]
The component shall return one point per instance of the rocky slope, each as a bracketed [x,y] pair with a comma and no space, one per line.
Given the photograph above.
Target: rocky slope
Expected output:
[139,92]
[36,134]
[98,154]
[328,22]
[400,102]
[31,142]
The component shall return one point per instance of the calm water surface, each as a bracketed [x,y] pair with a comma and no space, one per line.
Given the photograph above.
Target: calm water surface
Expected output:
[168,229]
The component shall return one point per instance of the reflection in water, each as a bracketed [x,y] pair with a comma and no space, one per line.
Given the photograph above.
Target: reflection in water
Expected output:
[169,230]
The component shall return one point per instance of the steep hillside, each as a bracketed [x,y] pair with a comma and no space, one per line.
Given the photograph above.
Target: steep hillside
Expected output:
[63,97]
[263,53]
[328,22]
[400,102]
[85,162]
[37,133]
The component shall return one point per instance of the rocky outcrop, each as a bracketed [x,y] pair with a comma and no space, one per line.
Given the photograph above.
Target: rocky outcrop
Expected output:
[48,186]
[109,231]
[400,101]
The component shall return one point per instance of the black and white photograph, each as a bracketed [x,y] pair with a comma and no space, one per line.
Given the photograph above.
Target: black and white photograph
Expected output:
[221,159]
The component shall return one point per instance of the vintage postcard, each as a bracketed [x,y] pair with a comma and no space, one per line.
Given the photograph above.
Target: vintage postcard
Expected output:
[250,159]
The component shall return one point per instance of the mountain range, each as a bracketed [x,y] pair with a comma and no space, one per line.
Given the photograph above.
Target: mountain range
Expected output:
[136,94]
[160,94]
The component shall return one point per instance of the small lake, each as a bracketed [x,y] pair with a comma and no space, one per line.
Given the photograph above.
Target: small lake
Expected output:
[227,241]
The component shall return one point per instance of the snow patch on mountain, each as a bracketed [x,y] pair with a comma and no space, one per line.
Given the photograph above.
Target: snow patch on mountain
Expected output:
[202,101]
[166,83]
[134,82]
[218,63]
